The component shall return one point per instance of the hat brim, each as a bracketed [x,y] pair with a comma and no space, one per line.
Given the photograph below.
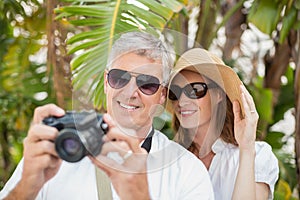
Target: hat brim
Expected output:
[202,62]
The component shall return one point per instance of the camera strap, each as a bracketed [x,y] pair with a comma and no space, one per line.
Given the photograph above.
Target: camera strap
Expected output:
[103,185]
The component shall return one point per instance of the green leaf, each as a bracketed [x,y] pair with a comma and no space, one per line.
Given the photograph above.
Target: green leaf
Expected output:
[174,5]
[286,167]
[88,1]
[103,21]
[90,22]
[84,45]
[60,15]
[263,102]
[275,139]
[265,15]
[283,190]
[87,35]
[96,65]
[79,60]
[153,19]
[297,25]
[153,5]
[297,4]
[98,94]
[286,97]
[287,24]
[100,11]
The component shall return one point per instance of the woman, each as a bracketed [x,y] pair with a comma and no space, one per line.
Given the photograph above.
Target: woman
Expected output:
[215,118]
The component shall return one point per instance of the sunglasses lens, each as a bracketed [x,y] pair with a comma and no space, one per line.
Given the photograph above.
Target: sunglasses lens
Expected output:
[147,84]
[118,78]
[174,92]
[195,90]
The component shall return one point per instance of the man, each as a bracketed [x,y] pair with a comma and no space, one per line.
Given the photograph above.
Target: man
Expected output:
[140,162]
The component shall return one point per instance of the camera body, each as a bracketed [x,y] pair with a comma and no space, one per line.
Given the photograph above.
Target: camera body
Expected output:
[80,134]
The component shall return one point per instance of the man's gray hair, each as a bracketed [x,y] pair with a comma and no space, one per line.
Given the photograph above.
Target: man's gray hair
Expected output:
[143,44]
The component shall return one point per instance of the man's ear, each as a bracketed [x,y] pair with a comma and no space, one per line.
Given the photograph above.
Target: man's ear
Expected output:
[105,81]
[163,96]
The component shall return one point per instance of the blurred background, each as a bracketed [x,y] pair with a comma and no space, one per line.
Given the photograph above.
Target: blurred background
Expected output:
[55,51]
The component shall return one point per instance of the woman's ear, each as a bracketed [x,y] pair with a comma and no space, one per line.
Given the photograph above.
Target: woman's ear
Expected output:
[220,95]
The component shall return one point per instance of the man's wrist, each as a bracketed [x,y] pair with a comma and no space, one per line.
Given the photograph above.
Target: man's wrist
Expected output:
[22,192]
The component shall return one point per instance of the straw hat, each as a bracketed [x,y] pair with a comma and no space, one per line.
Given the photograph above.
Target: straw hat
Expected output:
[209,65]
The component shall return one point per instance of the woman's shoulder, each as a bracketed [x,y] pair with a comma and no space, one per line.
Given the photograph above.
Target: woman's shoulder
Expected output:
[261,147]
[264,151]
[265,159]
[266,163]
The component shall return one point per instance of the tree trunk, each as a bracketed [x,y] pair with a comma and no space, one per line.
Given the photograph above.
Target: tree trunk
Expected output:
[297,116]
[179,33]
[233,30]
[206,22]
[296,57]
[6,157]
[276,66]
[58,61]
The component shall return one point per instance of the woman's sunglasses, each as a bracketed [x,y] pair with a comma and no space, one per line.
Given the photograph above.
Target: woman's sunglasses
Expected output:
[147,84]
[194,90]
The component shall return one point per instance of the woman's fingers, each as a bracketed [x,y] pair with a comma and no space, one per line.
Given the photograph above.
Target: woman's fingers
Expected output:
[248,102]
[237,111]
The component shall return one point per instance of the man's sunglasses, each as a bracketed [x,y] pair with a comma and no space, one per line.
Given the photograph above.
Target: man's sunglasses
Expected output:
[194,90]
[147,84]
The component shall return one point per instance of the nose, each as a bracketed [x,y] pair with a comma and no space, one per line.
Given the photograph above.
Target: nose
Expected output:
[183,99]
[131,89]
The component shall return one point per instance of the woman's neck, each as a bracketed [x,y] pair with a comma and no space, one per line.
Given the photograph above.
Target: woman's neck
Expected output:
[207,159]
[200,133]
[204,139]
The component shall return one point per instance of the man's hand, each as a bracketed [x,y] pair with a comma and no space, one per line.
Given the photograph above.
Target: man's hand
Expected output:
[128,174]
[41,161]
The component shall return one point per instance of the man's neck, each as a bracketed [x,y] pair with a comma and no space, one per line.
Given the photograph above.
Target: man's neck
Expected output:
[143,132]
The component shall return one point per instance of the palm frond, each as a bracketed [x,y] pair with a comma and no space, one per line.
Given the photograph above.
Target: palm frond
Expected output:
[103,21]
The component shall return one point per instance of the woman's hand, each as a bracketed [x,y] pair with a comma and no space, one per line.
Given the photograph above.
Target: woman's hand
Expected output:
[245,128]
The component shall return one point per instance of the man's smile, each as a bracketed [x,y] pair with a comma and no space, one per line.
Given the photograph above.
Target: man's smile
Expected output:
[128,107]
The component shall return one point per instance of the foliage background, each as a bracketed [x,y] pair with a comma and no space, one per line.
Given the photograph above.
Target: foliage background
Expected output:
[51,49]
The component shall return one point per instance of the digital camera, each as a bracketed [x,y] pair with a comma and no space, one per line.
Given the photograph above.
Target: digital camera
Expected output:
[80,134]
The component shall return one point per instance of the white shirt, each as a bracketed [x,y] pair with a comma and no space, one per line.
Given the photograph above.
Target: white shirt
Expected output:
[173,173]
[224,167]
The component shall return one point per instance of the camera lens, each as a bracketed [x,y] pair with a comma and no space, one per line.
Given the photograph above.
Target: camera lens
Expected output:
[68,146]
[71,146]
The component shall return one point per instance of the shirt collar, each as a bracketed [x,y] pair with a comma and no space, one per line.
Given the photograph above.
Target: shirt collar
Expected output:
[148,141]
[218,146]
